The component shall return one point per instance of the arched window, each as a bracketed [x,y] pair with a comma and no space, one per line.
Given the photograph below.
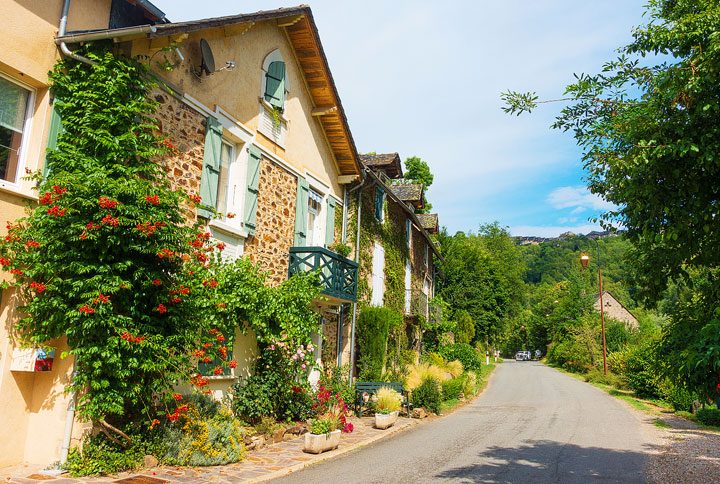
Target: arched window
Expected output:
[274,80]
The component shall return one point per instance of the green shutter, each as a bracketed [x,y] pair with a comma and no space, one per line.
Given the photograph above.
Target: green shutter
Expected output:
[379,203]
[408,231]
[275,84]
[301,212]
[211,168]
[330,224]
[251,194]
[56,128]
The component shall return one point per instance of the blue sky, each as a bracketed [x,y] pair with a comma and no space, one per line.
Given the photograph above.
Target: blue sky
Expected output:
[424,78]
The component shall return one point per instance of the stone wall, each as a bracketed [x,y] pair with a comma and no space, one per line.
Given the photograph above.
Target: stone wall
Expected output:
[185,129]
[275,234]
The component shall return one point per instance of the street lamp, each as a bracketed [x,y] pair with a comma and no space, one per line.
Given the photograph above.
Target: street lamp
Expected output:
[585,261]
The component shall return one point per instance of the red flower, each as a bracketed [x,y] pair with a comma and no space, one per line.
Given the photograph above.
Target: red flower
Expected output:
[83,235]
[181,409]
[218,370]
[86,309]
[348,428]
[199,381]
[92,226]
[32,243]
[223,352]
[156,282]
[232,364]
[166,253]
[198,353]
[110,220]
[168,144]
[161,309]
[37,286]
[177,396]
[220,338]
[17,272]
[173,416]
[213,331]
[102,298]
[195,198]
[4,261]
[46,199]
[154,422]
[230,215]
[105,202]
[207,359]
[201,257]
[146,228]
[296,389]
[59,190]
[175,300]
[220,246]
[211,283]
[197,243]
[56,211]
[153,199]
[207,345]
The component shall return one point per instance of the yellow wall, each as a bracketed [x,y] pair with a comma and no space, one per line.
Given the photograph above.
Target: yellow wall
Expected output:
[238,91]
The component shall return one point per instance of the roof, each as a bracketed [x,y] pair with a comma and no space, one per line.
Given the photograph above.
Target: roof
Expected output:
[429,221]
[304,38]
[410,192]
[387,162]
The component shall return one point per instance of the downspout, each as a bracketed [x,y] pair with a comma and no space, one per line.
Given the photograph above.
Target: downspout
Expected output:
[69,420]
[61,32]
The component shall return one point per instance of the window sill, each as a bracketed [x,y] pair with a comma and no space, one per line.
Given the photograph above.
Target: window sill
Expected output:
[15,189]
[229,229]
[221,377]
[270,108]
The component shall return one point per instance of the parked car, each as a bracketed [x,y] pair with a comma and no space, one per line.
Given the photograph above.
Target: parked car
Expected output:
[523,356]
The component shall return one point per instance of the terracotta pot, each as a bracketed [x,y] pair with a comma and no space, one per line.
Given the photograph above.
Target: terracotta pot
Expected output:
[385,420]
[317,443]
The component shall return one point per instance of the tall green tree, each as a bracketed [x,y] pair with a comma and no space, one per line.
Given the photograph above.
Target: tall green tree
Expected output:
[417,170]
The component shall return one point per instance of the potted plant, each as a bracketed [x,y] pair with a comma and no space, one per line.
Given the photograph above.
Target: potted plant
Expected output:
[387,407]
[330,422]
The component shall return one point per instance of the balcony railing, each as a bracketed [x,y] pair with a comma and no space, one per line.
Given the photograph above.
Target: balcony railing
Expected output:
[338,274]
[422,305]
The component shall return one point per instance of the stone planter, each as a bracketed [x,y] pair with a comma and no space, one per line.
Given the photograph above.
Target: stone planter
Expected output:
[317,443]
[385,420]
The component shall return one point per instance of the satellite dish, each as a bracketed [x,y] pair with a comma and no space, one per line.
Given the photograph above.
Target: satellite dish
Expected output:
[208,60]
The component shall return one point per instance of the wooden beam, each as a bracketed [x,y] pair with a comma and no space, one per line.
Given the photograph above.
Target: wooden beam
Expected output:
[289,21]
[345,179]
[323,110]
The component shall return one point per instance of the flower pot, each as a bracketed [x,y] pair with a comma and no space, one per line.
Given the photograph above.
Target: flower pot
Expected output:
[317,443]
[385,420]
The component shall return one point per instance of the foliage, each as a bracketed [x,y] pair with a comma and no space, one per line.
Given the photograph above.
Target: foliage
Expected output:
[278,387]
[337,380]
[708,416]
[483,275]
[678,396]
[465,331]
[428,394]
[597,375]
[417,170]
[342,249]
[642,369]
[453,388]
[99,456]
[330,413]
[417,374]
[470,384]
[268,426]
[387,400]
[466,354]
[374,325]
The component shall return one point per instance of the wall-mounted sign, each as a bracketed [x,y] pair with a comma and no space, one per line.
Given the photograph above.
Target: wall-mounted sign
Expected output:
[32,359]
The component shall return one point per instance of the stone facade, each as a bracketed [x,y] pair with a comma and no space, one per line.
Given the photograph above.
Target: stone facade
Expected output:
[613,309]
[184,127]
[275,234]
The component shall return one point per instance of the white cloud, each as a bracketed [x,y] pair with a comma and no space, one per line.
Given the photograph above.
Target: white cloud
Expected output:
[577,198]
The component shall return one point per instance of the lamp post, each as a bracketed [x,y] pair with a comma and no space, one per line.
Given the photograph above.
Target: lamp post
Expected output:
[584,261]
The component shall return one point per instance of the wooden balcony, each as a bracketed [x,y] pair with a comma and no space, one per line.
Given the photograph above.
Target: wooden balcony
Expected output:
[338,274]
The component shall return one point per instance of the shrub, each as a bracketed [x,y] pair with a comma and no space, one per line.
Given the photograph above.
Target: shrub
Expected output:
[452,388]
[641,370]
[678,396]
[428,395]
[570,355]
[374,325]
[99,456]
[463,352]
[598,376]
[708,416]
[417,374]
[388,400]
[337,381]
[470,384]
[330,412]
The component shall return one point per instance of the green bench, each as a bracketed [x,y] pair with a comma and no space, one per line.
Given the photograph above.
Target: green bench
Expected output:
[369,388]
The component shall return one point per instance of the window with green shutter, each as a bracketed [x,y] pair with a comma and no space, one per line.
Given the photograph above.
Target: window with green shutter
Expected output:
[379,204]
[251,194]
[208,369]
[301,212]
[56,128]
[408,231]
[210,177]
[275,85]
[330,222]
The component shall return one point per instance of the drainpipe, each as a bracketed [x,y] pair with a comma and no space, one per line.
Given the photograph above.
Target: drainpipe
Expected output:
[69,420]
[61,32]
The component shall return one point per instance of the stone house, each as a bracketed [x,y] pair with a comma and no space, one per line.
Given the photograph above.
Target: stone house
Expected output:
[614,309]
[397,254]
[261,135]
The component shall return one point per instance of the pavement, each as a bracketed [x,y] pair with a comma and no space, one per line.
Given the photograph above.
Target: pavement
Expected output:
[260,465]
[532,424]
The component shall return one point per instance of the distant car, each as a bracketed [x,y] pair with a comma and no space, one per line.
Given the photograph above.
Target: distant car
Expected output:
[523,356]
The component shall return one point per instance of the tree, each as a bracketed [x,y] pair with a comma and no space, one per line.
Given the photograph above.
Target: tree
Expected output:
[465,331]
[418,171]
[651,140]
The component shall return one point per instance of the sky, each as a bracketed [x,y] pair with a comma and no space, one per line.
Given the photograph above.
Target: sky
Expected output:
[423,78]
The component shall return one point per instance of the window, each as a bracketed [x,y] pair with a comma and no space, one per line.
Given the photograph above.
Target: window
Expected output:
[15,102]
[315,232]
[408,286]
[408,231]
[378,275]
[426,256]
[379,204]
[208,369]
[274,80]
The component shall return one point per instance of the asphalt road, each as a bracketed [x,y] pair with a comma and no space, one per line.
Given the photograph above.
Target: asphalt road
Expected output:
[531,425]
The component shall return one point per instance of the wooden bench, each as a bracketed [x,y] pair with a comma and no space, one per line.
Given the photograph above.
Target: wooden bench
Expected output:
[369,388]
